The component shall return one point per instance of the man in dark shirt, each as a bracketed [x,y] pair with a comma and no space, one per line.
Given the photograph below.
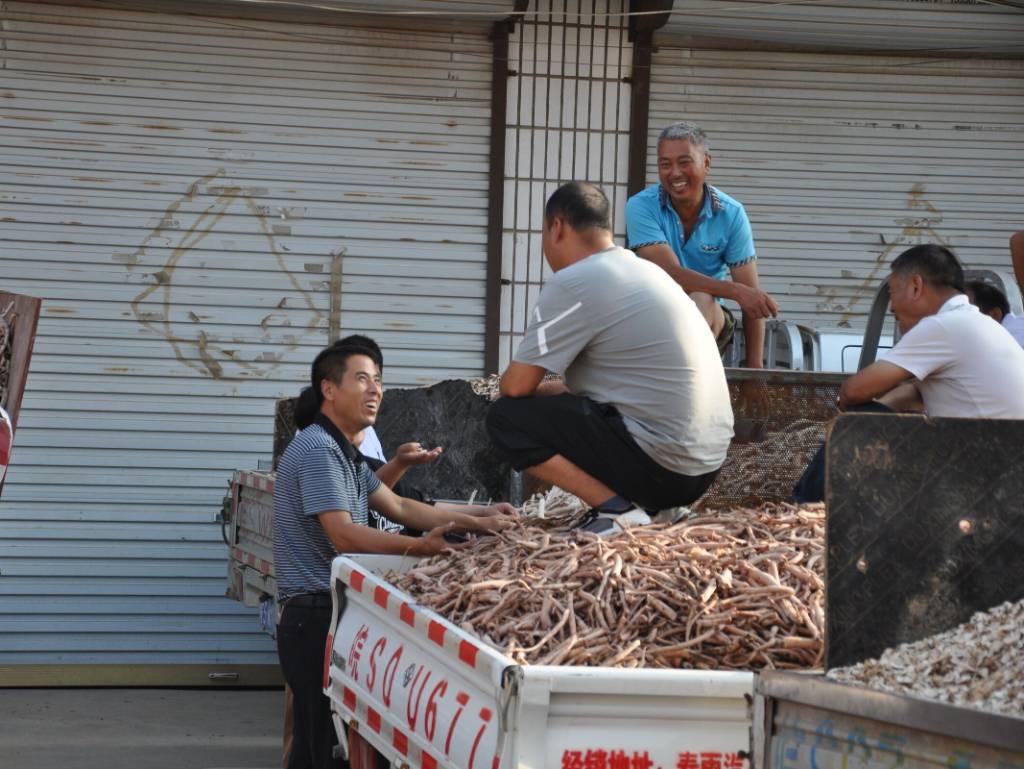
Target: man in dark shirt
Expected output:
[322,495]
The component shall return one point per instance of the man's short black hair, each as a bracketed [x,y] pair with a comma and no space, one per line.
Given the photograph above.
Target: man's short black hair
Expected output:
[365,341]
[936,264]
[583,206]
[988,297]
[331,362]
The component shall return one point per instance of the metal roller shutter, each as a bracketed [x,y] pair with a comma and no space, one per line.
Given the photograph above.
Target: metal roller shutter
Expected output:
[843,161]
[197,201]
[923,27]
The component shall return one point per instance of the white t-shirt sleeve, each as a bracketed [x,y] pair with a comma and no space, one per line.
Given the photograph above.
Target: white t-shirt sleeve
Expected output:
[924,350]
[560,327]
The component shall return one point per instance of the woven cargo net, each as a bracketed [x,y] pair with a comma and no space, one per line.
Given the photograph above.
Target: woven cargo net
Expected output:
[780,423]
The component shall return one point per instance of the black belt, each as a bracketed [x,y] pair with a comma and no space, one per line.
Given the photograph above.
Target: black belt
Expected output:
[309,600]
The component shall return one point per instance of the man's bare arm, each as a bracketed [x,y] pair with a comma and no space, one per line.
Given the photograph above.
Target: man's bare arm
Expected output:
[871,382]
[663,256]
[751,300]
[1017,257]
[417,515]
[753,326]
[521,379]
[903,397]
[350,537]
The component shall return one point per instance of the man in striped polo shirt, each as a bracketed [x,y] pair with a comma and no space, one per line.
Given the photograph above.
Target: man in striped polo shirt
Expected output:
[322,496]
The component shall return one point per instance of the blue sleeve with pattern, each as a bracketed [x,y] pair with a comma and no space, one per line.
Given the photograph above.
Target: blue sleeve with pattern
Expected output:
[643,227]
[740,248]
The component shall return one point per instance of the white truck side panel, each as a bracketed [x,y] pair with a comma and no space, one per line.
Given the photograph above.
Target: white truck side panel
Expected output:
[422,691]
[427,694]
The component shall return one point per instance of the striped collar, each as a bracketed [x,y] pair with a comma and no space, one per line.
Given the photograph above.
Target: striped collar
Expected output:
[344,444]
[712,200]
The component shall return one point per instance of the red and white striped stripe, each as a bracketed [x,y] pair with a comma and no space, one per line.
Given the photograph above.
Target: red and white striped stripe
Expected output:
[261,481]
[371,720]
[457,644]
[263,567]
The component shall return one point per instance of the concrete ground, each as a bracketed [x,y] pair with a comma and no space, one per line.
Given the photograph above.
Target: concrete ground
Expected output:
[140,729]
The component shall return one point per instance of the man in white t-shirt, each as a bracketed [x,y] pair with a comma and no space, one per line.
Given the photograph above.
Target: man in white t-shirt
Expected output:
[952,359]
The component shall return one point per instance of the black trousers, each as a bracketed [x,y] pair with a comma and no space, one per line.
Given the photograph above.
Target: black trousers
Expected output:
[811,486]
[301,638]
[591,435]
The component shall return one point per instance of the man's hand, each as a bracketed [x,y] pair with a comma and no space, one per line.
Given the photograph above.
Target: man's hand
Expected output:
[551,387]
[498,508]
[411,454]
[486,522]
[754,302]
[407,455]
[434,542]
[903,397]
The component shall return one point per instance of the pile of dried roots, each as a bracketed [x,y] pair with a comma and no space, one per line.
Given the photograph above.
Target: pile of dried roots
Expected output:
[739,589]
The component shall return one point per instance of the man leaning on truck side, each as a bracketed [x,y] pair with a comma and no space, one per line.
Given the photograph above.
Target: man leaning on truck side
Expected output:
[322,494]
[952,360]
[699,236]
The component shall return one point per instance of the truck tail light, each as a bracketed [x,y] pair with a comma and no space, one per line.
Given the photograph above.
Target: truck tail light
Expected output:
[327,659]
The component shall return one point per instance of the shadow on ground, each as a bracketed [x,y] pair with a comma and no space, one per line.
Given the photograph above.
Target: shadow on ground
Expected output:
[140,728]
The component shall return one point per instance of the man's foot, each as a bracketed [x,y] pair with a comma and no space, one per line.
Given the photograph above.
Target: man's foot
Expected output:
[607,524]
[672,515]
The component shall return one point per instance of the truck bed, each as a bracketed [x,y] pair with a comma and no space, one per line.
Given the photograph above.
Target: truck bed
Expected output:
[425,693]
[805,721]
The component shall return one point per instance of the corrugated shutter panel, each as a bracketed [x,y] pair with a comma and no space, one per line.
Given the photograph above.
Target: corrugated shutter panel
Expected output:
[182,191]
[844,161]
[922,27]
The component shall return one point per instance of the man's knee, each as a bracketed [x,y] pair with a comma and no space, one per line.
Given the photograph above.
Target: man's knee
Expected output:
[501,414]
[517,431]
[505,422]
[710,309]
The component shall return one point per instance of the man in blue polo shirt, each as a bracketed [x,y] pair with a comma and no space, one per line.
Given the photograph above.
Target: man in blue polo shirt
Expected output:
[700,236]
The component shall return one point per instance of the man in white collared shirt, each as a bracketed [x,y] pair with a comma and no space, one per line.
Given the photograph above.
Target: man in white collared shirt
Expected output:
[952,359]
